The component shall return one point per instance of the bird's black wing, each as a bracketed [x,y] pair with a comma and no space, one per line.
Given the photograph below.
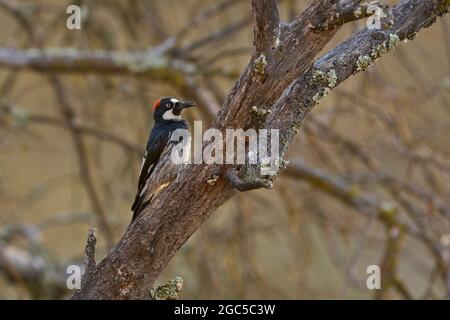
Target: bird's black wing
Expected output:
[155,146]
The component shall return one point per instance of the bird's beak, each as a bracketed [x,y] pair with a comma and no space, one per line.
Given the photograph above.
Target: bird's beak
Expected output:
[183,105]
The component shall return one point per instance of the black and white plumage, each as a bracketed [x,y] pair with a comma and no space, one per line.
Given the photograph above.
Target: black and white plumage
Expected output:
[167,119]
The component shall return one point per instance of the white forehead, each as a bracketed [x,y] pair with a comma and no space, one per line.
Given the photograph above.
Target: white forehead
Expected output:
[173,100]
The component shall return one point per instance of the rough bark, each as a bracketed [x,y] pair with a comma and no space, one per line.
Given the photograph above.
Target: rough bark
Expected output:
[281,76]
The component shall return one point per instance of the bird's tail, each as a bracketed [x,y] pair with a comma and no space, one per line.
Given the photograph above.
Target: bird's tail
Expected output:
[139,204]
[136,202]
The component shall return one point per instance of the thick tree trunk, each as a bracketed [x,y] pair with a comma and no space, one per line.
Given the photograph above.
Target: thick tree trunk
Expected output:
[281,76]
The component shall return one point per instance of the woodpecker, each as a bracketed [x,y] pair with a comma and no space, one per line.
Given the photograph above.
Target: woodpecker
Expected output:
[167,118]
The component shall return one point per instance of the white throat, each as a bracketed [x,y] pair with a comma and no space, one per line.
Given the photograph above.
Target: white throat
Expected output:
[169,115]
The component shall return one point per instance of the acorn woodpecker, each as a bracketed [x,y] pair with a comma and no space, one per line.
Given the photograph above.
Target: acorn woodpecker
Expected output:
[167,119]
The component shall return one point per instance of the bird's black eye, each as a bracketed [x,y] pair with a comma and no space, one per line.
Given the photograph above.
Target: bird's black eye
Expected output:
[167,105]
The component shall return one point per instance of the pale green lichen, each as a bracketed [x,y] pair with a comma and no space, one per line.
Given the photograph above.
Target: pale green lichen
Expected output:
[260,112]
[169,290]
[385,47]
[319,96]
[212,179]
[261,64]
[296,127]
[363,63]
[394,40]
[330,77]
[259,116]
[282,165]
[318,74]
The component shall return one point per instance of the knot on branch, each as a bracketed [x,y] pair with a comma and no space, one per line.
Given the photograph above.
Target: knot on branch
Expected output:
[247,183]
[259,116]
[168,290]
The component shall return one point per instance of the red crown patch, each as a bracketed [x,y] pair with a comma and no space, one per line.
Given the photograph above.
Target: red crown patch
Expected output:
[156,105]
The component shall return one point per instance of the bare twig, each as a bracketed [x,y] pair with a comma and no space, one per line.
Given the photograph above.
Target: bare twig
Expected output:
[144,63]
[89,259]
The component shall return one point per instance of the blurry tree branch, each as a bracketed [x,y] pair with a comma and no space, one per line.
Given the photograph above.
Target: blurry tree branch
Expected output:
[25,118]
[386,212]
[33,271]
[149,63]
[348,11]
[32,267]
[80,147]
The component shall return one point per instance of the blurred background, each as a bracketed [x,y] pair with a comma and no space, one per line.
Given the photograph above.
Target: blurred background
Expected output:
[368,182]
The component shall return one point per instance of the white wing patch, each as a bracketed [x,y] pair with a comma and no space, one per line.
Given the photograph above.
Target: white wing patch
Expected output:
[143,161]
[144,189]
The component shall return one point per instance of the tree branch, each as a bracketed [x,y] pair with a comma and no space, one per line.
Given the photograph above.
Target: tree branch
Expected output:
[352,56]
[266,25]
[89,257]
[150,63]
[290,85]
[349,11]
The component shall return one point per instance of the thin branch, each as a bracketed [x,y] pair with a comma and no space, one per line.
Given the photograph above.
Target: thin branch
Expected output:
[336,187]
[89,130]
[140,63]
[89,258]
[80,148]
[215,36]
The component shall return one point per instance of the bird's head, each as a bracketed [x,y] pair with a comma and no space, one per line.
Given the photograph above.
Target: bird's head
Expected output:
[169,109]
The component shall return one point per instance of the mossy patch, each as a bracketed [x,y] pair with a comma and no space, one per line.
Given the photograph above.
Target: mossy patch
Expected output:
[363,63]
[261,64]
[212,179]
[168,290]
